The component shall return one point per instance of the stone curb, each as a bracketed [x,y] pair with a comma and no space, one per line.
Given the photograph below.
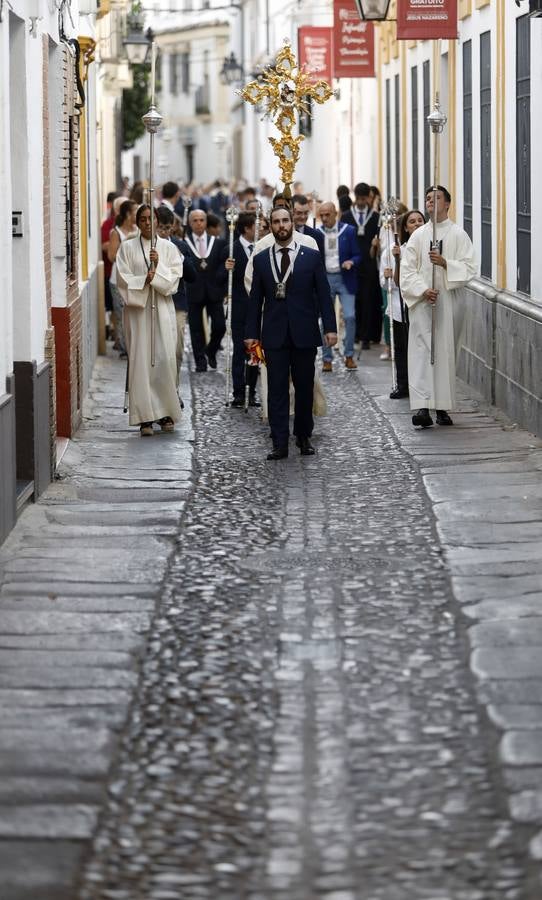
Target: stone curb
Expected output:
[80,578]
[484,479]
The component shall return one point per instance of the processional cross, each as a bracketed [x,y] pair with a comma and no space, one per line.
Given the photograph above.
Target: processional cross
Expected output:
[284,89]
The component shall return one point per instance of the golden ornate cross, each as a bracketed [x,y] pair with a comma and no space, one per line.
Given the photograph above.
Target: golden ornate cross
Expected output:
[284,89]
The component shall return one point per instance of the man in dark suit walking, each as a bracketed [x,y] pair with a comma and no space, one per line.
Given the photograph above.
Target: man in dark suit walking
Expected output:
[290,287]
[301,210]
[364,217]
[205,292]
[242,251]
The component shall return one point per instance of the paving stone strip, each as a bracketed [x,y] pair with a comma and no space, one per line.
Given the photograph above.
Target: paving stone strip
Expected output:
[484,477]
[80,576]
[306,723]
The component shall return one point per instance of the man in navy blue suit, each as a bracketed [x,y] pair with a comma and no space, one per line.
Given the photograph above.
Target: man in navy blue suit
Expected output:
[205,292]
[342,259]
[301,210]
[290,288]
[242,251]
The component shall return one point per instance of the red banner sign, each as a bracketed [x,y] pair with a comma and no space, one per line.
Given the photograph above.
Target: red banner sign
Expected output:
[426,19]
[316,52]
[353,42]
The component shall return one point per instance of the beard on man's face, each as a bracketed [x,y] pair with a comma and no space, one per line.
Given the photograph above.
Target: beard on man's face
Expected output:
[283,232]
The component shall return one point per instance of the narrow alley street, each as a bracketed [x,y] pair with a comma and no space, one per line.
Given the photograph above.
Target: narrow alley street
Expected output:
[313,713]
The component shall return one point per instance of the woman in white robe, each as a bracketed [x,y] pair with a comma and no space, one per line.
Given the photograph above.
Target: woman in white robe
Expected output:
[153,393]
[433,386]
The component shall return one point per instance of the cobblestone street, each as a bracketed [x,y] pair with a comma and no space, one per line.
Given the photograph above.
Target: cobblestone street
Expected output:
[306,723]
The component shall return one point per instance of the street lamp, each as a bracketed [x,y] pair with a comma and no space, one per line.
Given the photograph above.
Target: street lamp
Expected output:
[136,42]
[231,71]
[373,10]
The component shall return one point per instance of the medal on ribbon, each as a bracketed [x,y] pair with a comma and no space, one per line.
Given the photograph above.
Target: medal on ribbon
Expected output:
[280,284]
[202,261]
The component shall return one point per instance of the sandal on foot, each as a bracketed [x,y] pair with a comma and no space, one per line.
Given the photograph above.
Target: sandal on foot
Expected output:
[146,429]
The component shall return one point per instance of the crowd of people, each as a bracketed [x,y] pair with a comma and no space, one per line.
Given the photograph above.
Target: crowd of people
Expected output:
[294,258]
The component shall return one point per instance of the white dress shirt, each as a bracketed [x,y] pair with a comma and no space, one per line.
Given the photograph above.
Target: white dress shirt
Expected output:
[332,249]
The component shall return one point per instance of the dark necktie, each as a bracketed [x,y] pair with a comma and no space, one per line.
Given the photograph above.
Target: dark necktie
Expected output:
[285,262]
[250,248]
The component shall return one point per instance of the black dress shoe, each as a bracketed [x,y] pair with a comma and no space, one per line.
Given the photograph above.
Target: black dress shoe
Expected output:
[211,359]
[422,418]
[365,345]
[399,393]
[278,453]
[252,401]
[237,403]
[443,418]
[305,447]
[201,367]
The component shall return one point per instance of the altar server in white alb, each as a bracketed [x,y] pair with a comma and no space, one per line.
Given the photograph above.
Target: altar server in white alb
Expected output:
[433,386]
[152,389]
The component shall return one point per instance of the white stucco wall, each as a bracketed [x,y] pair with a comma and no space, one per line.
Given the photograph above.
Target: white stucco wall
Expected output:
[342,146]
[6,311]
[503,84]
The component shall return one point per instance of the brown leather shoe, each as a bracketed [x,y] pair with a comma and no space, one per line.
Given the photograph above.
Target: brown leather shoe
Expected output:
[327,367]
[167,424]
[350,362]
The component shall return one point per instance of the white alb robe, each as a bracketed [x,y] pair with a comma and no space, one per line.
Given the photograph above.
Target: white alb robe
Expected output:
[152,389]
[433,386]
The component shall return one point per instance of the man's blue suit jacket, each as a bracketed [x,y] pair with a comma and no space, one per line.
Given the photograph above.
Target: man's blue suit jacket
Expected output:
[348,249]
[296,317]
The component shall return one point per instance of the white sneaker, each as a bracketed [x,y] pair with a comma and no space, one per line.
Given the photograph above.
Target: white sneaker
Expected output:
[385,355]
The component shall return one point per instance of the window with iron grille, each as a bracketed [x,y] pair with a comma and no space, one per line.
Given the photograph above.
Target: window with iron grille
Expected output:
[173,80]
[414,116]
[426,129]
[397,111]
[523,153]
[485,152]
[185,72]
[467,137]
[388,136]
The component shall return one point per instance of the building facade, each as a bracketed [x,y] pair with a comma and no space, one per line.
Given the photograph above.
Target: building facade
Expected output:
[335,149]
[490,86]
[194,142]
[48,240]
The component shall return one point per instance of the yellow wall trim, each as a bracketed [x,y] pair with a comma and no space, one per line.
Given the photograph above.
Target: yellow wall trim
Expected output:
[480,3]
[385,42]
[464,9]
[88,46]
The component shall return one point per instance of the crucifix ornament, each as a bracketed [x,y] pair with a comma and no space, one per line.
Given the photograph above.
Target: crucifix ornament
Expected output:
[283,89]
